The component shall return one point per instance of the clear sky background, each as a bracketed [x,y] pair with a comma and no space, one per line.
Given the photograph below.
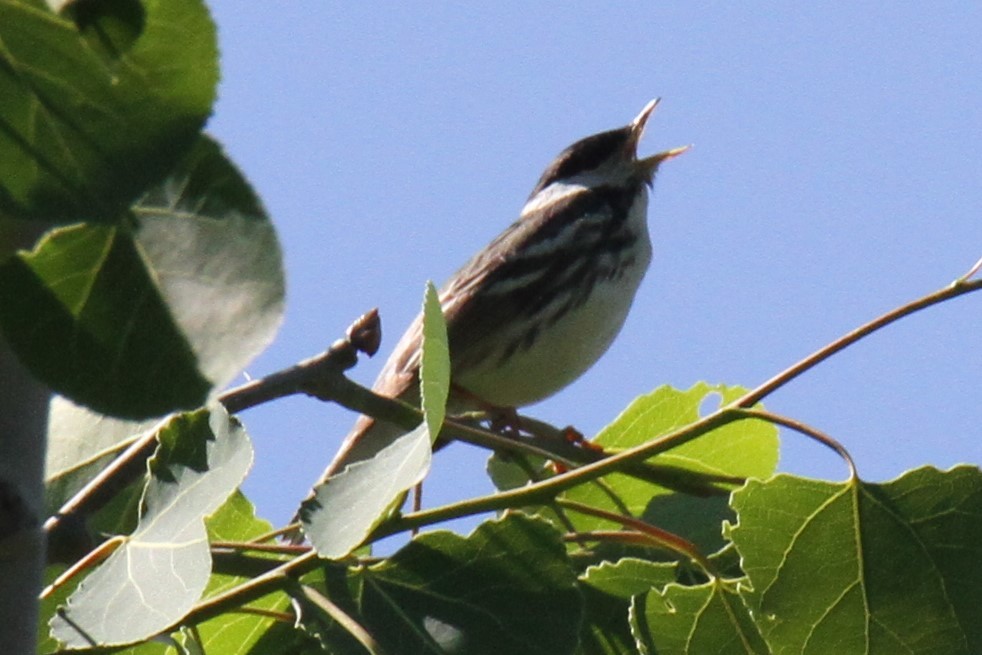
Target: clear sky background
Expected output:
[836,174]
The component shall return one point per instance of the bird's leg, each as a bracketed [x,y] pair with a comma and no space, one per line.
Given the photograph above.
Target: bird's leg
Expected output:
[503,420]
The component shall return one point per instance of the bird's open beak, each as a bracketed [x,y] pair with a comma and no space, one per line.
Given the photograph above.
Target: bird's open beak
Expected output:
[650,164]
[637,125]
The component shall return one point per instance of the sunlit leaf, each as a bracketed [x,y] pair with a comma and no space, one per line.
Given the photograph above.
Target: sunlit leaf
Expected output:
[235,633]
[346,508]
[155,577]
[865,568]
[435,362]
[608,589]
[629,576]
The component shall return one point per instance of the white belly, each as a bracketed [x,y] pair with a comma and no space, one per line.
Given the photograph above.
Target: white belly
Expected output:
[565,350]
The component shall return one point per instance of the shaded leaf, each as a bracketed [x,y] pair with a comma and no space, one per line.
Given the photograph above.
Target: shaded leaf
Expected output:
[629,576]
[237,633]
[137,322]
[709,618]
[608,589]
[865,568]
[80,443]
[93,112]
[155,577]
[346,508]
[282,638]
[83,315]
[506,588]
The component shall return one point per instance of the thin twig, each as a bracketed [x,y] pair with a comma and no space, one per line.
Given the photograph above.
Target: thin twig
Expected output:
[256,547]
[354,628]
[804,429]
[971,273]
[282,617]
[662,538]
[759,393]
[94,557]
[129,466]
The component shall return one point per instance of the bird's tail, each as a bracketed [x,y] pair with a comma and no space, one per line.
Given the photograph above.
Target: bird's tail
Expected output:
[366,438]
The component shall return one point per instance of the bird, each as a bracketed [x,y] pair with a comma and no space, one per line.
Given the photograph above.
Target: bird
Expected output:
[537,307]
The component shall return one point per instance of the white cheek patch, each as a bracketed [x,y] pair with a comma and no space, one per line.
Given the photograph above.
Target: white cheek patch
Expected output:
[552,193]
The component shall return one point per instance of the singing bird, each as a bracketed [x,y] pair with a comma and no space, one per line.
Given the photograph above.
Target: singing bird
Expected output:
[537,307]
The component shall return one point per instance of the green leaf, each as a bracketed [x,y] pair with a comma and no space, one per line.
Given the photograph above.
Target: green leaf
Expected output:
[506,588]
[608,589]
[215,258]
[138,322]
[83,315]
[744,448]
[236,633]
[48,644]
[865,568]
[709,618]
[629,576]
[155,577]
[95,110]
[435,362]
[346,508]
[80,444]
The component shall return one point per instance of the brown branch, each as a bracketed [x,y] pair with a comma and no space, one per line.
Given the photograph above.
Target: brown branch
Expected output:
[960,287]
[65,530]
[314,376]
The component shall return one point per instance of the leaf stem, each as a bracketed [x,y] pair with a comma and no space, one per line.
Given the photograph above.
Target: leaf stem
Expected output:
[97,555]
[960,287]
[805,429]
[354,628]
[663,538]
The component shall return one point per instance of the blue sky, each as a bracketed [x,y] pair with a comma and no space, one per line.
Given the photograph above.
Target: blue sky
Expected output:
[835,175]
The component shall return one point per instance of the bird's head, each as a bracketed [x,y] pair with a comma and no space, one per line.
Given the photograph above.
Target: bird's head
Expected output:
[608,158]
